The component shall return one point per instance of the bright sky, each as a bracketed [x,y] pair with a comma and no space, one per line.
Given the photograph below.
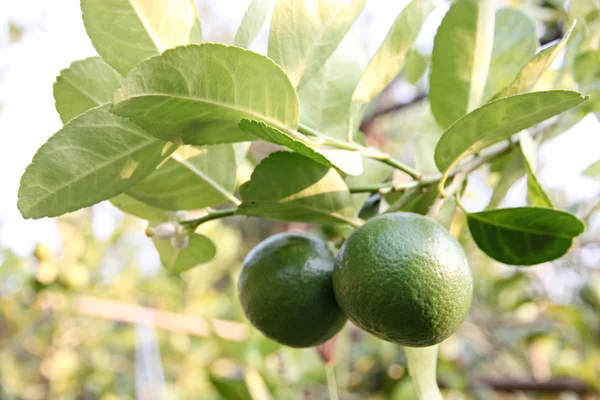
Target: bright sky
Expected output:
[54,36]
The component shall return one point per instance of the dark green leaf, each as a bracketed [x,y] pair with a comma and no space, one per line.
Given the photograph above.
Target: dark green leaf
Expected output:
[200,250]
[461,56]
[349,162]
[290,187]
[192,178]
[197,94]
[125,32]
[85,84]
[524,236]
[94,157]
[499,120]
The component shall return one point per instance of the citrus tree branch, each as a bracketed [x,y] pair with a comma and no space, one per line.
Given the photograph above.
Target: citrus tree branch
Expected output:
[216,214]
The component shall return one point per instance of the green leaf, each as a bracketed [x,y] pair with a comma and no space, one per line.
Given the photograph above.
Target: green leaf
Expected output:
[499,120]
[200,250]
[196,33]
[533,70]
[462,51]
[191,178]
[197,94]
[415,66]
[593,170]
[94,157]
[126,32]
[586,69]
[536,196]
[251,24]
[290,187]
[373,172]
[349,162]
[139,209]
[325,99]
[511,170]
[389,59]
[446,213]
[85,84]
[524,236]
[305,33]
[515,43]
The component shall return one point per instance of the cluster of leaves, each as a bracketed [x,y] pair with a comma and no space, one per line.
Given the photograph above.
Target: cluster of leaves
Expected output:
[158,123]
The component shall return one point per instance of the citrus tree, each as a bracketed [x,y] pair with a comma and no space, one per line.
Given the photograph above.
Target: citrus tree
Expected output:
[161,124]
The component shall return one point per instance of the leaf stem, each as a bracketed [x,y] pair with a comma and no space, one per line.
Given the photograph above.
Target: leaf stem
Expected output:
[216,214]
[331,382]
[422,363]
[387,159]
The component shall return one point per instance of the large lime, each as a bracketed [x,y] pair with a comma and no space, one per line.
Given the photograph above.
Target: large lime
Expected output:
[286,290]
[404,278]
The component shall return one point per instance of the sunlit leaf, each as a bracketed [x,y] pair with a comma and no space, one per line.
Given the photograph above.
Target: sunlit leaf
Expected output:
[347,161]
[524,236]
[251,24]
[593,170]
[325,99]
[290,187]
[85,84]
[197,94]
[192,178]
[304,33]
[515,43]
[389,59]
[586,69]
[499,120]
[126,32]
[533,70]
[141,210]
[462,52]
[536,196]
[199,250]
[94,157]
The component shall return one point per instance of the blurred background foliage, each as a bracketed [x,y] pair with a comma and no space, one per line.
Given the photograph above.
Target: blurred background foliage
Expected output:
[96,318]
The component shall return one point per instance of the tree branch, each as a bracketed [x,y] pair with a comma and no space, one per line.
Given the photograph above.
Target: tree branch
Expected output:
[390,109]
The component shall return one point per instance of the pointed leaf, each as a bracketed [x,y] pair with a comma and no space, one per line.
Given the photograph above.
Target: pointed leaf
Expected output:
[94,157]
[349,162]
[200,250]
[389,59]
[536,196]
[192,178]
[126,32]
[325,99]
[251,24]
[524,236]
[499,120]
[515,43]
[593,170]
[304,33]
[290,187]
[533,70]
[512,169]
[462,50]
[197,94]
[141,210]
[85,84]
[415,66]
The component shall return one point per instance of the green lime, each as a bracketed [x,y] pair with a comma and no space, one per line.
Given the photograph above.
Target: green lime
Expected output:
[286,290]
[405,279]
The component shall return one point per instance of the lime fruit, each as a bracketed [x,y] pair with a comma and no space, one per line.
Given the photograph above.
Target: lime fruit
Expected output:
[403,278]
[286,290]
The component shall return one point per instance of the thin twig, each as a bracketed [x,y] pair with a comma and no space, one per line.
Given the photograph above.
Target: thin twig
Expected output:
[391,109]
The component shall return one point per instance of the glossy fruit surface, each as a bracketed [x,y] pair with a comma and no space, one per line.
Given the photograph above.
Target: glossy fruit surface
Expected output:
[285,288]
[405,279]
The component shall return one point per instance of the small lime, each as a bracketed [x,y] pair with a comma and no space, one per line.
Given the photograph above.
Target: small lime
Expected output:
[286,290]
